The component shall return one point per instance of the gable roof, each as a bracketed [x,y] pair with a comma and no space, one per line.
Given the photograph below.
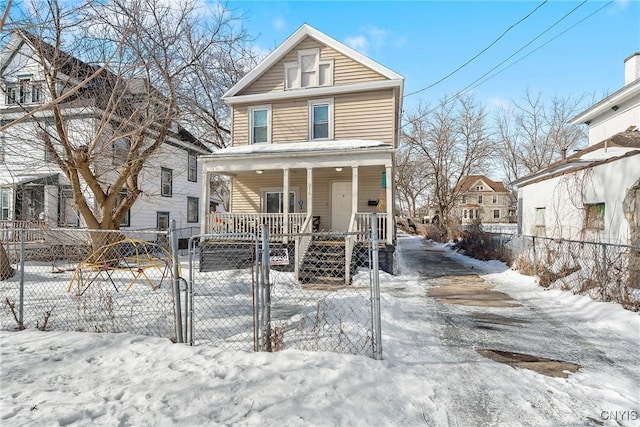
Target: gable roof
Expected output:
[619,146]
[77,69]
[291,42]
[469,180]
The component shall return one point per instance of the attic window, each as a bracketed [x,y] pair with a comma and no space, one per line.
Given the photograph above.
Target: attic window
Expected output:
[479,187]
[308,71]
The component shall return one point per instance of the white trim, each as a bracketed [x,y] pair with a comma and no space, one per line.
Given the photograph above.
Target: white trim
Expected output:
[315,52]
[314,92]
[302,32]
[628,92]
[295,84]
[310,104]
[265,190]
[250,112]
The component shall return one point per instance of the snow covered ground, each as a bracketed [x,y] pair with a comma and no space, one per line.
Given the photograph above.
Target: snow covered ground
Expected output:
[430,375]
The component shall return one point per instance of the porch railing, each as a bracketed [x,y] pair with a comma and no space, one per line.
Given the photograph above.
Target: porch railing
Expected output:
[250,223]
[10,230]
[362,224]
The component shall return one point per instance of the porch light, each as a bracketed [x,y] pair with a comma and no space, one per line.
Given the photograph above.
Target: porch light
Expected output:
[338,169]
[259,171]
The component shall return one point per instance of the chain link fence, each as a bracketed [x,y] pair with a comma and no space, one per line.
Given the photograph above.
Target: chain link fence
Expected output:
[604,271]
[315,291]
[89,280]
[302,291]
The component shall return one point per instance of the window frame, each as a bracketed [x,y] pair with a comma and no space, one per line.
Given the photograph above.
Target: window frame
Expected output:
[539,217]
[479,199]
[494,199]
[5,196]
[190,214]
[330,118]
[263,199]
[251,112]
[163,183]
[591,222]
[126,219]
[319,64]
[498,212]
[192,167]
[119,154]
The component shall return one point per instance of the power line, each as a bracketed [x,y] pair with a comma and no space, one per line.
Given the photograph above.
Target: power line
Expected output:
[464,90]
[479,53]
[542,45]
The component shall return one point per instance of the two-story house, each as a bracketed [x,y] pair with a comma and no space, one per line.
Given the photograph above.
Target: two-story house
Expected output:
[482,199]
[33,189]
[593,194]
[314,131]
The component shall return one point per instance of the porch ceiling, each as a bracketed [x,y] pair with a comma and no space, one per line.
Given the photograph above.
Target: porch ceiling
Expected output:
[309,154]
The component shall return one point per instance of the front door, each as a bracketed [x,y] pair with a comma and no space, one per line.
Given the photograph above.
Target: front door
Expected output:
[340,205]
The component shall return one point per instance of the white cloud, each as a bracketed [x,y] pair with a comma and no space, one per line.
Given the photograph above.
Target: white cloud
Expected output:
[618,6]
[278,24]
[359,43]
[499,103]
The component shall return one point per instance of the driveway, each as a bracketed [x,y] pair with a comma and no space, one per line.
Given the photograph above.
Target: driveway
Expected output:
[467,322]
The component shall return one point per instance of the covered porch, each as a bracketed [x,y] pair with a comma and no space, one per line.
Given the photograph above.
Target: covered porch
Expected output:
[331,185]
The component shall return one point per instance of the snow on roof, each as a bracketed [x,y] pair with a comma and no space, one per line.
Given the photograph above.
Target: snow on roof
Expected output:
[307,146]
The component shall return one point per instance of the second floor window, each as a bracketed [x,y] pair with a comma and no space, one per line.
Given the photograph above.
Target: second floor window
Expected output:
[480,199]
[320,119]
[121,147]
[192,167]
[166,182]
[24,92]
[539,219]
[464,200]
[259,125]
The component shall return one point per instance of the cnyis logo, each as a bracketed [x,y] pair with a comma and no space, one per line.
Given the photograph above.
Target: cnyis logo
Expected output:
[620,415]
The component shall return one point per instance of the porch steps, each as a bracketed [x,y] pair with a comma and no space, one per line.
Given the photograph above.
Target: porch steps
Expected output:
[324,264]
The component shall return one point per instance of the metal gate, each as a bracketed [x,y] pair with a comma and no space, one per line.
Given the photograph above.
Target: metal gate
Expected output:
[251,292]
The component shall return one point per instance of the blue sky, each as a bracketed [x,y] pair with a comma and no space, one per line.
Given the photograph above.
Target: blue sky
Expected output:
[427,40]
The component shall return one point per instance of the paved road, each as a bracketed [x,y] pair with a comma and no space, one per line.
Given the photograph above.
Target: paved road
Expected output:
[467,390]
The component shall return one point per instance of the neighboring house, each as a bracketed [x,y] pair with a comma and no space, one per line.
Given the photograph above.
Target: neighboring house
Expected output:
[594,194]
[33,188]
[484,200]
[314,130]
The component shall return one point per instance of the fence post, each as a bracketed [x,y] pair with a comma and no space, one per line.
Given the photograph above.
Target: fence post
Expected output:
[256,293]
[266,289]
[173,236]
[377,350]
[604,266]
[21,302]
[535,257]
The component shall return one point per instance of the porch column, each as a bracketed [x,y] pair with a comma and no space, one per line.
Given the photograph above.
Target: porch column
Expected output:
[309,191]
[354,191]
[285,202]
[390,203]
[204,205]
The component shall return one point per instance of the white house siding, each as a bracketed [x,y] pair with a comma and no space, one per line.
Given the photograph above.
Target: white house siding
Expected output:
[564,199]
[612,122]
[145,210]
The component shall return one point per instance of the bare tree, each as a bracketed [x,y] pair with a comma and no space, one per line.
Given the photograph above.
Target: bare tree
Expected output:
[148,55]
[533,133]
[452,141]
[412,183]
